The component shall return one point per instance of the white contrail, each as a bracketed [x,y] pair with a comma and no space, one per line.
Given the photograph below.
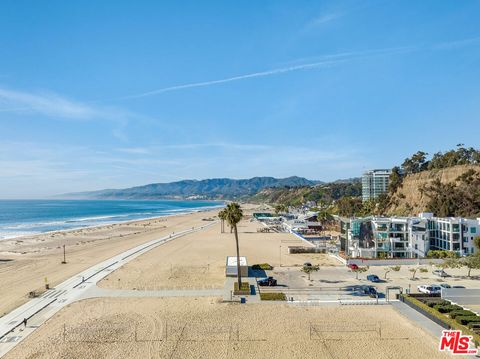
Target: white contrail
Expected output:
[235,78]
[328,60]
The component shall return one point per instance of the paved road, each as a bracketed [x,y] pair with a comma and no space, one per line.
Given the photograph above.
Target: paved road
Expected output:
[40,309]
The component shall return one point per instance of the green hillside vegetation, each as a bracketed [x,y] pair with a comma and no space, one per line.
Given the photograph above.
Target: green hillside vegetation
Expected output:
[216,188]
[322,195]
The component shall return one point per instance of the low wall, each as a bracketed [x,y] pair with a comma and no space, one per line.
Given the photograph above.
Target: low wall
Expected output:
[425,313]
[340,259]
[393,262]
[296,250]
[298,235]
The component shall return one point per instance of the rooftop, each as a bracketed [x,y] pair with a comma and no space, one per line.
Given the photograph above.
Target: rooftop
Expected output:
[232,261]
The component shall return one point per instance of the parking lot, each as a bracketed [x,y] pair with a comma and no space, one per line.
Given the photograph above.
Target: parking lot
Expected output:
[339,282]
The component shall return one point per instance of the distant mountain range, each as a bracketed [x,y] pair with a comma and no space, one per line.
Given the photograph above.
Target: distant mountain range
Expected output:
[216,188]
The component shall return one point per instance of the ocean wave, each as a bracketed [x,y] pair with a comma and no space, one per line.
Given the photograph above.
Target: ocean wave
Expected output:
[10,235]
[11,229]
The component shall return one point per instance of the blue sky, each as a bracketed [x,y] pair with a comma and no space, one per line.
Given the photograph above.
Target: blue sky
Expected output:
[109,94]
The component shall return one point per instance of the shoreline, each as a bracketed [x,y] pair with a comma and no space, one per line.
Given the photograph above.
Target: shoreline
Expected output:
[29,262]
[104,224]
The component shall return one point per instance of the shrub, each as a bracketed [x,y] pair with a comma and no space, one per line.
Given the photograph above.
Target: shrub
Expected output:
[473,325]
[464,320]
[447,308]
[245,290]
[273,296]
[433,303]
[466,313]
[449,321]
[262,266]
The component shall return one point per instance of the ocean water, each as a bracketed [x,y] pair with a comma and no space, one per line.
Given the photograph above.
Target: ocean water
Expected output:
[27,217]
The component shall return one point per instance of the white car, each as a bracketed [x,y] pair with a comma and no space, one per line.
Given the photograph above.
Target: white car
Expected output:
[429,288]
[440,273]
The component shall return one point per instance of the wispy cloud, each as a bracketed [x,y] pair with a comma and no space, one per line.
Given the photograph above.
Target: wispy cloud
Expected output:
[321,20]
[456,43]
[48,104]
[134,150]
[57,107]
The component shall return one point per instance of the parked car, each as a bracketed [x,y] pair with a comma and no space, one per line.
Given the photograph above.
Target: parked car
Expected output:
[307,264]
[353,266]
[440,273]
[267,282]
[373,278]
[369,290]
[429,288]
[445,285]
[458,286]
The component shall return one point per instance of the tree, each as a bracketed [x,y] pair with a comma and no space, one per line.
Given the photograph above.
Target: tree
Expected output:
[233,215]
[310,269]
[451,262]
[476,243]
[349,206]
[471,262]
[360,270]
[389,269]
[222,215]
[395,180]
[416,163]
[279,208]
[325,218]
[414,271]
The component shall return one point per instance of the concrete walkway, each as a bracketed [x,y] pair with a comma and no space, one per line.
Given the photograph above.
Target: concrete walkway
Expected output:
[38,310]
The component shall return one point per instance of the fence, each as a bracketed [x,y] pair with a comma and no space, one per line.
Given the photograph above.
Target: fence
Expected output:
[393,262]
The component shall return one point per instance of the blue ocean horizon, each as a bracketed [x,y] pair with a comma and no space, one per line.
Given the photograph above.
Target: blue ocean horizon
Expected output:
[28,217]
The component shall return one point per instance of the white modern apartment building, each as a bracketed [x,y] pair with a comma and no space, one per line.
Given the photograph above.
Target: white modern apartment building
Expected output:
[374,183]
[409,237]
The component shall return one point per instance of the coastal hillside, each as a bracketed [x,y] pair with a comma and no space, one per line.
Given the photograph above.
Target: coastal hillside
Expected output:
[417,190]
[319,194]
[217,188]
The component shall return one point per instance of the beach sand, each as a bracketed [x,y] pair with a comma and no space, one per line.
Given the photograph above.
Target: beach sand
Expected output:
[205,328]
[198,260]
[25,262]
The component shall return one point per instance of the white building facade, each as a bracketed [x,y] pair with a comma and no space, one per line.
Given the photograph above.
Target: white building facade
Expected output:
[410,237]
[374,183]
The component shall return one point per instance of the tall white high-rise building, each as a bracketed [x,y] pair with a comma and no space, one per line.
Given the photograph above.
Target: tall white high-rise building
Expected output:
[374,183]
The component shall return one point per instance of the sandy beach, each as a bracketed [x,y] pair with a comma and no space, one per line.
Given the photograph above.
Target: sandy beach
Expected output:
[198,260]
[25,262]
[205,328]
[197,327]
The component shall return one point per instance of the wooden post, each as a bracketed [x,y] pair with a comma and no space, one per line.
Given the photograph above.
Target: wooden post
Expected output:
[64,256]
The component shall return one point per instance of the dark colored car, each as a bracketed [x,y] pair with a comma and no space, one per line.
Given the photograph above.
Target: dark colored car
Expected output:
[370,291]
[353,266]
[267,282]
[373,278]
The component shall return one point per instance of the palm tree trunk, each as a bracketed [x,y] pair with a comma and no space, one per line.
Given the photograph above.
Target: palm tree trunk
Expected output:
[239,275]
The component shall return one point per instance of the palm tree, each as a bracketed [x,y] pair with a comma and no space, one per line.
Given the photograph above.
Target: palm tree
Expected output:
[325,218]
[233,215]
[222,215]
